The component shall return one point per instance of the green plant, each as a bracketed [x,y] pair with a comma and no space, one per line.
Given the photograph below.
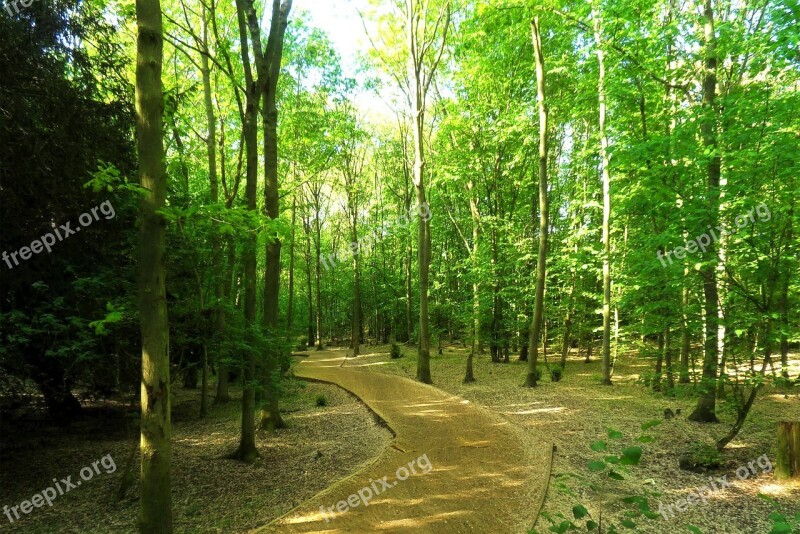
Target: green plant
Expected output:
[781,524]
[555,373]
[395,352]
[700,457]
[607,468]
[322,400]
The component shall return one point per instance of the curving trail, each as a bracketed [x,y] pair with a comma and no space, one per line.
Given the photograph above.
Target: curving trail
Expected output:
[481,478]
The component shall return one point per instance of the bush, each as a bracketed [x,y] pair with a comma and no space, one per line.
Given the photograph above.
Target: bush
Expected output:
[395,351]
[302,344]
[700,458]
[322,400]
[555,373]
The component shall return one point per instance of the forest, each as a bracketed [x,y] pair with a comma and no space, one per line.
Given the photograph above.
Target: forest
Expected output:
[441,266]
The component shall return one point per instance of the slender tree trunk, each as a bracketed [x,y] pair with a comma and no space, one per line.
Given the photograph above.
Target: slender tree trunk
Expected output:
[290,305]
[469,375]
[409,320]
[223,395]
[270,417]
[309,285]
[706,406]
[155,504]
[668,357]
[601,90]
[318,290]
[659,363]
[216,245]
[686,340]
[247,451]
[424,237]
[541,268]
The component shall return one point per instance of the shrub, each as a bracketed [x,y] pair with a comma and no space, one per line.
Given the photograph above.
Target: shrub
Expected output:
[700,458]
[395,351]
[322,400]
[555,373]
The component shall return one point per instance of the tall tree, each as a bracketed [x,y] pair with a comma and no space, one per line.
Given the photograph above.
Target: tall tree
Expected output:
[705,411]
[155,504]
[604,165]
[427,42]
[269,67]
[541,268]
[247,450]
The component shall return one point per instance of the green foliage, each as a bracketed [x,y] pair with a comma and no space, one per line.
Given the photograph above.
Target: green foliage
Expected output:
[321,400]
[701,457]
[395,352]
[555,373]
[604,470]
[781,523]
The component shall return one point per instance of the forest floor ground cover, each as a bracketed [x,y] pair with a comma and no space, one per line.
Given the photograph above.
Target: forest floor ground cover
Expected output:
[211,494]
[578,411]
[326,444]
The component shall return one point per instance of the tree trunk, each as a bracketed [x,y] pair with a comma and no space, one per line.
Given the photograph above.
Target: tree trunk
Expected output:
[247,451]
[290,305]
[685,335]
[309,284]
[269,73]
[601,90]
[787,462]
[541,268]
[155,505]
[318,291]
[469,375]
[216,247]
[706,406]
[668,358]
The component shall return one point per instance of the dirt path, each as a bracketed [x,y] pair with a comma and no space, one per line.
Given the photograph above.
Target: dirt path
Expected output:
[472,472]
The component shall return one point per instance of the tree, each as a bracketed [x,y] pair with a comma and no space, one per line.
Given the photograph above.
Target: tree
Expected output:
[541,267]
[604,168]
[155,505]
[706,404]
[427,42]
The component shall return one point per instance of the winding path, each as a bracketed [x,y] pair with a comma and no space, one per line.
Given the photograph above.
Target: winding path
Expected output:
[482,478]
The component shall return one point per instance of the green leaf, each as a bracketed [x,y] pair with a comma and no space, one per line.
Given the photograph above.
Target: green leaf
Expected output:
[597,465]
[777,518]
[694,529]
[781,528]
[651,424]
[614,434]
[579,511]
[645,439]
[591,525]
[631,456]
[598,446]
[616,476]
[561,527]
[628,523]
[612,459]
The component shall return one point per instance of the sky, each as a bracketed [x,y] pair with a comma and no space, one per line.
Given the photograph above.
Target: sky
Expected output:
[341,21]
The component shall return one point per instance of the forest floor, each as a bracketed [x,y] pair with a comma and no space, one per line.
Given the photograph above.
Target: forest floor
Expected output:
[327,444]
[211,494]
[578,411]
